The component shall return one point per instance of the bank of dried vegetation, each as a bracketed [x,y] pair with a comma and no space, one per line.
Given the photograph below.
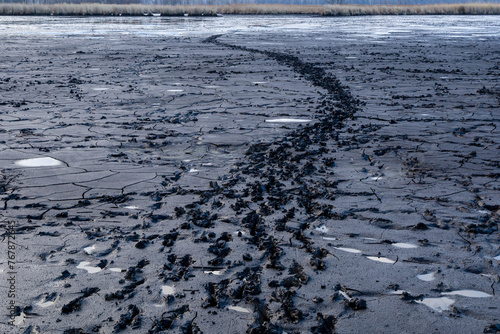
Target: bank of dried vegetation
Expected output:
[97,9]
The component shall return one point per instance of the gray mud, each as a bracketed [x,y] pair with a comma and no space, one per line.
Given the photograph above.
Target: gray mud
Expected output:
[257,183]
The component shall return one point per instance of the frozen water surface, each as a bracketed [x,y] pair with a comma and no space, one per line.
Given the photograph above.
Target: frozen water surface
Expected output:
[322,228]
[437,304]
[468,293]
[357,28]
[380,259]
[404,245]
[85,265]
[287,120]
[167,290]
[426,277]
[214,272]
[38,162]
[348,250]
[239,309]
[89,249]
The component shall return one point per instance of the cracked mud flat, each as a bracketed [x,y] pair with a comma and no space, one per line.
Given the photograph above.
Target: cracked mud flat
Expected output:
[174,183]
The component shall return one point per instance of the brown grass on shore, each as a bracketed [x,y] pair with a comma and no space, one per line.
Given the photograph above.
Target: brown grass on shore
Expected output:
[436,9]
[247,9]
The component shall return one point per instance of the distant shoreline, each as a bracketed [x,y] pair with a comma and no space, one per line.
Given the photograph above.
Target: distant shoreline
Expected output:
[96,9]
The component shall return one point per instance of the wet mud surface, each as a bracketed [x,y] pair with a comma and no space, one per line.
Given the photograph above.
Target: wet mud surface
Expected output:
[252,183]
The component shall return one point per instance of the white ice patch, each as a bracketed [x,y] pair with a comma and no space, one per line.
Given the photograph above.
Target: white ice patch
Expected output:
[85,265]
[212,86]
[404,245]
[348,250]
[426,277]
[90,249]
[329,238]
[214,272]
[239,309]
[497,258]
[398,292]
[167,290]
[100,88]
[45,304]
[380,259]
[437,304]
[131,207]
[175,90]
[38,162]
[193,170]
[321,228]
[287,120]
[259,82]
[19,319]
[116,270]
[467,293]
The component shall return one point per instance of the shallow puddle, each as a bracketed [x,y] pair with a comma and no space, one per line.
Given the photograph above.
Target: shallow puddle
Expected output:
[380,259]
[437,304]
[85,265]
[38,162]
[467,293]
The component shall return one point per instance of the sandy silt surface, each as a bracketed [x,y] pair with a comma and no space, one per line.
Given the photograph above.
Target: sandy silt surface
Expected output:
[167,184]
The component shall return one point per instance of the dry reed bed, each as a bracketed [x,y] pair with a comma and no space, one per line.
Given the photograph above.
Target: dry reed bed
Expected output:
[436,9]
[247,9]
